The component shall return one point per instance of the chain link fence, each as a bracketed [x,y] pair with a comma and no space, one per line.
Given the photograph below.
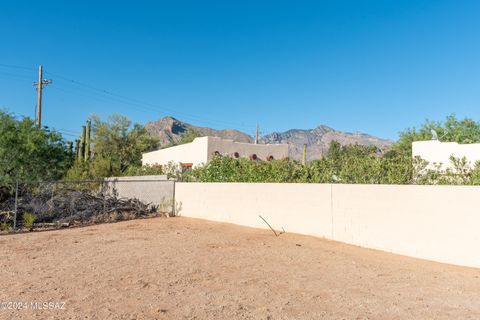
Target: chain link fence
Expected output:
[45,204]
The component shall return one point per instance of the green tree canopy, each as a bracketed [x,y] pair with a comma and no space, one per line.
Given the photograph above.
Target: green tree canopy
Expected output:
[450,130]
[341,164]
[117,145]
[29,153]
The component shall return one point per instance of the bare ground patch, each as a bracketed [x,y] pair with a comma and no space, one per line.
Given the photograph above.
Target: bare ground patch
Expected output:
[184,268]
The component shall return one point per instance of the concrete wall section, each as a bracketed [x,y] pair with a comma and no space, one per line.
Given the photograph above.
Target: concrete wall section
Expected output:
[137,178]
[299,208]
[149,189]
[439,223]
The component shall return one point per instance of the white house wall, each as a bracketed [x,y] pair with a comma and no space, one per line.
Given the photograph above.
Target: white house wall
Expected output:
[203,149]
[438,152]
[195,152]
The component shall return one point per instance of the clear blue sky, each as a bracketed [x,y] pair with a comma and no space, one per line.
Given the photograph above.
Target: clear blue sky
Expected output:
[371,66]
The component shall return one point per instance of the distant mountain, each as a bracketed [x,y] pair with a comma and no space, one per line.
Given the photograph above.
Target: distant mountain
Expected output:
[170,130]
[318,140]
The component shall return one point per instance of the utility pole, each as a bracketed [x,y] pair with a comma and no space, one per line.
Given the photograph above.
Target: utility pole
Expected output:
[41,82]
[257,134]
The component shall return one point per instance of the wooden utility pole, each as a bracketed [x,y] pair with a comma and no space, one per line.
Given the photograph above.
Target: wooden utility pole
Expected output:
[41,82]
[257,134]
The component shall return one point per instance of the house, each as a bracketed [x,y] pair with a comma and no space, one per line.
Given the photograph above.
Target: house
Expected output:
[436,152]
[203,149]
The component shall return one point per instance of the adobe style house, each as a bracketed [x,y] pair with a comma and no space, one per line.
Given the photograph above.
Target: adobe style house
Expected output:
[203,149]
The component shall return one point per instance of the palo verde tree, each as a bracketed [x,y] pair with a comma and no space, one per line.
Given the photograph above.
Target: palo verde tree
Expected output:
[28,153]
[117,148]
[449,130]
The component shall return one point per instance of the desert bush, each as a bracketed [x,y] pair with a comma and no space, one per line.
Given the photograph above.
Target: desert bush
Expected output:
[342,164]
[4,226]
[28,220]
[353,164]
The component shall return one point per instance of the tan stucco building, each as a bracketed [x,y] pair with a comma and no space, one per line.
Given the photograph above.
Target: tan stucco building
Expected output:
[203,149]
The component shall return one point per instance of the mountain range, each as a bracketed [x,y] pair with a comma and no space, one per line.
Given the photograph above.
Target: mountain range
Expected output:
[169,130]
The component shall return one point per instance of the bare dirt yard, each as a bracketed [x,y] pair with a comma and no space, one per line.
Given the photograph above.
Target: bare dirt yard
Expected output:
[182,268]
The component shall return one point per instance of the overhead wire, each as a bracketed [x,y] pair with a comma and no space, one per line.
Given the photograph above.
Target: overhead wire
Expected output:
[151,107]
[107,96]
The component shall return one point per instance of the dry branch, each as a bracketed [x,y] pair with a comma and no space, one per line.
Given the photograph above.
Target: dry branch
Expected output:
[60,204]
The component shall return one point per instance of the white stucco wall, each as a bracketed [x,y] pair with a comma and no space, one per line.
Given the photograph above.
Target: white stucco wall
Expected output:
[202,149]
[195,152]
[439,223]
[438,152]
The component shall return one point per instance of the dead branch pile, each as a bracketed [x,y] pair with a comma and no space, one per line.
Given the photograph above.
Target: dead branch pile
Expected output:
[73,205]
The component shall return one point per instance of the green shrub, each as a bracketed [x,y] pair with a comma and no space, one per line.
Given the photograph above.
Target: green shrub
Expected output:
[4,226]
[342,164]
[28,220]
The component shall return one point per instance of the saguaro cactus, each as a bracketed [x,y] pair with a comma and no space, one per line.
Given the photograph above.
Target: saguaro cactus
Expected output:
[70,148]
[81,152]
[304,156]
[77,148]
[87,140]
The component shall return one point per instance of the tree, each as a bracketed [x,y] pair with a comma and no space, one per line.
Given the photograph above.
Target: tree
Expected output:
[341,164]
[450,130]
[117,145]
[29,153]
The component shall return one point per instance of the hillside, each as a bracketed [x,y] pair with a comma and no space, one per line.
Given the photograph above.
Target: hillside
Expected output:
[319,139]
[169,130]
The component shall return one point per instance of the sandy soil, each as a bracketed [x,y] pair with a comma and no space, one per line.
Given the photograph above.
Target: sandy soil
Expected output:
[182,268]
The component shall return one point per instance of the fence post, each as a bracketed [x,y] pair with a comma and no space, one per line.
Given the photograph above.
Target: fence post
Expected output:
[104,192]
[16,206]
[174,209]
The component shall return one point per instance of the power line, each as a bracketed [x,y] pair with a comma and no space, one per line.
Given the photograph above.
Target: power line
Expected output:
[16,67]
[14,75]
[138,104]
[133,101]
[68,134]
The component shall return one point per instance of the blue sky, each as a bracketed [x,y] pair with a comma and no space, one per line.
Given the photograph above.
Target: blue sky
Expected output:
[371,66]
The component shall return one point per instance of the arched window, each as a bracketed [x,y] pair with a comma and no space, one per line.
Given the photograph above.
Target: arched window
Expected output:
[253,157]
[236,155]
[270,158]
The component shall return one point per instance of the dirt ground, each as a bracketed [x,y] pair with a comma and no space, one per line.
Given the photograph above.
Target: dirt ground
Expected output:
[182,268]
